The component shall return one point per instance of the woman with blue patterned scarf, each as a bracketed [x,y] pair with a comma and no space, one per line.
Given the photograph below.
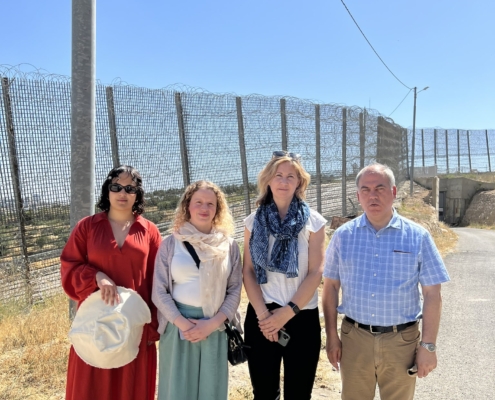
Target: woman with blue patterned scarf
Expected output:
[283,265]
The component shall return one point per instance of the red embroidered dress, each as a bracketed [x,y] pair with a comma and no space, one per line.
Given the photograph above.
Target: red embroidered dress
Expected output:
[91,248]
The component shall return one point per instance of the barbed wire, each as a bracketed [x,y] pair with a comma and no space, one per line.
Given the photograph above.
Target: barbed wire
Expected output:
[35,113]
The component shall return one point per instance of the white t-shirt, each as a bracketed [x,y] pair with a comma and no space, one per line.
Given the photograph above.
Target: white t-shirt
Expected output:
[185,276]
[280,289]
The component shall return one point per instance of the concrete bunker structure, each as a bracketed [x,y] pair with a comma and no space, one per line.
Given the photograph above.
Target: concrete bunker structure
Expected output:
[452,196]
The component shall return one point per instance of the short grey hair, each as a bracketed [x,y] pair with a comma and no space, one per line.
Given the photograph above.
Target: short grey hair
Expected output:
[377,168]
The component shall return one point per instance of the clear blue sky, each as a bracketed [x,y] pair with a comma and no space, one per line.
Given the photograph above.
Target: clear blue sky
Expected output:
[308,49]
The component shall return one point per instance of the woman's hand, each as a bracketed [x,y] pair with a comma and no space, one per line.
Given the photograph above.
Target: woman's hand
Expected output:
[108,288]
[263,316]
[183,323]
[271,338]
[275,321]
[201,330]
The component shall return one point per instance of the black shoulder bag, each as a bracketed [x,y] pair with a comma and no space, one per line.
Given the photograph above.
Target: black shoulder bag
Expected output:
[236,347]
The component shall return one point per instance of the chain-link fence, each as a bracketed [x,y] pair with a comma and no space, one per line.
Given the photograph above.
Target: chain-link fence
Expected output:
[173,136]
[454,150]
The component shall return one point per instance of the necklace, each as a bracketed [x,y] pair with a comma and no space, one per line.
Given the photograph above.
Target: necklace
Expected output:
[122,225]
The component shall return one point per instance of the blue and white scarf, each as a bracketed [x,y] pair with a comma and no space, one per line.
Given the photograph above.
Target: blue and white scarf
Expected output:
[284,257]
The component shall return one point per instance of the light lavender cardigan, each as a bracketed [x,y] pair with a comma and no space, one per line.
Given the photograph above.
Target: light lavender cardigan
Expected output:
[162,295]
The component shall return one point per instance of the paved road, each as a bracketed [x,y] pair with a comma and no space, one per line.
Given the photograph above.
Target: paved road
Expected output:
[466,355]
[466,369]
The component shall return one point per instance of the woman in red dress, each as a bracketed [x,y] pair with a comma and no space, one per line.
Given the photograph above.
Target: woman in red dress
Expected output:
[116,247]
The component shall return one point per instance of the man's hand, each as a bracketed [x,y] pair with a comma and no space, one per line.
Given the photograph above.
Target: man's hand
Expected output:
[108,288]
[334,351]
[426,362]
[432,307]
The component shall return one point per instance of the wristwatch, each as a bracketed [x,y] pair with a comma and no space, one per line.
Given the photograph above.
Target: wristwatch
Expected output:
[294,307]
[428,346]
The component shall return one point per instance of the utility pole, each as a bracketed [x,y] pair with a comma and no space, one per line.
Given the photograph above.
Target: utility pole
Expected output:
[411,173]
[83,114]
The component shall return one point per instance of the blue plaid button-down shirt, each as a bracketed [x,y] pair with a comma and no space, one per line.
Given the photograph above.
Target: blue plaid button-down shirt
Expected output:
[379,271]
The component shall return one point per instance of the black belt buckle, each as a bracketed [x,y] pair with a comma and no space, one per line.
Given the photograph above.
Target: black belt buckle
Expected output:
[374,333]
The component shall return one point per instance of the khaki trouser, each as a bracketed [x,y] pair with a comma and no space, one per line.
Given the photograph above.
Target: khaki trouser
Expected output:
[368,359]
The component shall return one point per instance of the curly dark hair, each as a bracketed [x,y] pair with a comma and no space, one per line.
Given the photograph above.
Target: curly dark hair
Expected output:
[104,203]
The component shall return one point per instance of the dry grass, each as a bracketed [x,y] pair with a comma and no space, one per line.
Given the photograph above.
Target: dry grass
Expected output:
[445,240]
[34,349]
[34,345]
[416,209]
[480,177]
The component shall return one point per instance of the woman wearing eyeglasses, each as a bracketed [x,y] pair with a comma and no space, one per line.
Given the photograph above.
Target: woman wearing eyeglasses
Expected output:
[283,265]
[116,247]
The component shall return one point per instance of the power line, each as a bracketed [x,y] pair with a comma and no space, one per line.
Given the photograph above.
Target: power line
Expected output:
[383,62]
[400,102]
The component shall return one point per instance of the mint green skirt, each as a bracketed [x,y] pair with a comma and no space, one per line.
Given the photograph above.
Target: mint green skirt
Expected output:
[192,371]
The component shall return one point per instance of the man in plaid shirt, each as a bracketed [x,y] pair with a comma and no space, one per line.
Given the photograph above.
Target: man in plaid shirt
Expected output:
[378,259]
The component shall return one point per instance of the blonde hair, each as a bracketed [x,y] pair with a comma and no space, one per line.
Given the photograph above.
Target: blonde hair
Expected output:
[269,171]
[222,221]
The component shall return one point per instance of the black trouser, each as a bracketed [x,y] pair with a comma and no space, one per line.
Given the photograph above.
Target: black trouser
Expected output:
[300,356]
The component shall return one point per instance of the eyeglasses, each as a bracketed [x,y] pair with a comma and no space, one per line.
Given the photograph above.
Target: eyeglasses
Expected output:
[115,187]
[282,153]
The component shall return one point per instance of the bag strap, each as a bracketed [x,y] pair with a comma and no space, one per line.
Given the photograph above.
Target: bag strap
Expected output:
[234,334]
[194,255]
[192,252]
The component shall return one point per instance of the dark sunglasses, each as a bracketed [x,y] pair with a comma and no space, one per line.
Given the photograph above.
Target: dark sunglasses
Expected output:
[281,153]
[115,187]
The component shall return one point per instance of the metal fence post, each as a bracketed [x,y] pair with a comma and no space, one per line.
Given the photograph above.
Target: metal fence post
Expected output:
[458,153]
[435,146]
[182,140]
[411,174]
[403,154]
[83,113]
[113,127]
[447,149]
[362,140]
[488,151]
[14,172]
[344,162]
[423,145]
[318,157]
[469,152]
[283,117]
[407,154]
[242,150]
